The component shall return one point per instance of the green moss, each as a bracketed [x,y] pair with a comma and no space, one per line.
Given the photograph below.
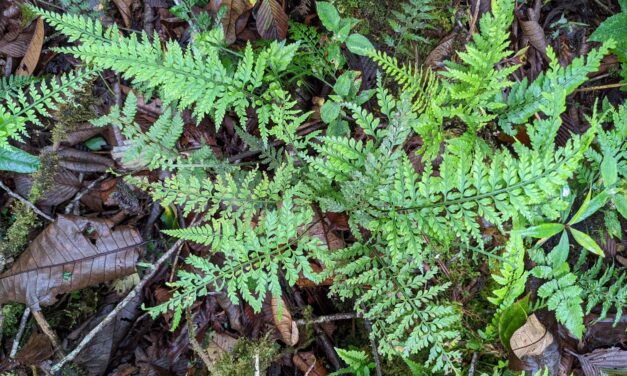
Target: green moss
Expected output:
[241,361]
[16,236]
[373,14]
[12,313]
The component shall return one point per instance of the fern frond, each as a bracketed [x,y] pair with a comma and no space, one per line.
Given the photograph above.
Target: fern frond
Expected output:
[23,106]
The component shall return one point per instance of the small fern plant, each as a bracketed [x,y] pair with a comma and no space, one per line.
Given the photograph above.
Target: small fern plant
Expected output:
[23,102]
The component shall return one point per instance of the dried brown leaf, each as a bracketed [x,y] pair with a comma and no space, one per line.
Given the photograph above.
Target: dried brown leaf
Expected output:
[612,359]
[271,20]
[65,185]
[283,320]
[82,161]
[124,6]
[307,363]
[96,356]
[31,57]
[37,349]
[234,10]
[15,42]
[70,254]
[530,339]
[220,344]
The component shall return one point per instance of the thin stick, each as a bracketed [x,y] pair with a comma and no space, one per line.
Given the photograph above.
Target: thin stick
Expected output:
[20,333]
[82,193]
[1,316]
[52,336]
[373,348]
[153,271]
[26,202]
[191,333]
[473,364]
[602,87]
[328,318]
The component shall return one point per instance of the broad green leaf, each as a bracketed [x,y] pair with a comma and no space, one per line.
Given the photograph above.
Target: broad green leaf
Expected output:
[512,318]
[559,254]
[587,242]
[614,27]
[17,160]
[330,111]
[545,230]
[620,200]
[359,44]
[329,16]
[609,170]
[589,207]
[343,84]
[338,128]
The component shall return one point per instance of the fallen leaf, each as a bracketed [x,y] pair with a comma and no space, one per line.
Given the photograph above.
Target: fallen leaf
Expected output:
[37,349]
[234,10]
[82,161]
[594,363]
[31,57]
[536,347]
[124,6]
[307,363]
[96,356]
[220,344]
[70,254]
[283,320]
[271,20]
[66,185]
[15,42]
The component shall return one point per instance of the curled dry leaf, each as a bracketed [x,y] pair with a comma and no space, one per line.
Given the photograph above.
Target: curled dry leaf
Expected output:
[124,6]
[15,41]
[82,161]
[307,363]
[272,20]
[283,321]
[70,254]
[31,57]
[234,10]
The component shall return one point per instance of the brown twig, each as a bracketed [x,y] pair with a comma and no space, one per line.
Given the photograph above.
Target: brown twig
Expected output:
[26,202]
[82,193]
[328,318]
[191,333]
[111,316]
[473,364]
[602,87]
[20,333]
[373,348]
[47,330]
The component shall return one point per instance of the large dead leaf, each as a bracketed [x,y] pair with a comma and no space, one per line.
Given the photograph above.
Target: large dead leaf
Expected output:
[82,161]
[271,20]
[234,10]
[124,6]
[31,58]
[70,254]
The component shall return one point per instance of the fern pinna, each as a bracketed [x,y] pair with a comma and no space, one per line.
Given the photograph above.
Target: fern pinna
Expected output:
[402,222]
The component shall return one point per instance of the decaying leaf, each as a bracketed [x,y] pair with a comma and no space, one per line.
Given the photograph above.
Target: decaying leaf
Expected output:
[535,346]
[82,161]
[65,185]
[124,6]
[612,359]
[37,349]
[96,356]
[283,321]
[272,20]
[70,254]
[220,344]
[234,10]
[307,363]
[31,58]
